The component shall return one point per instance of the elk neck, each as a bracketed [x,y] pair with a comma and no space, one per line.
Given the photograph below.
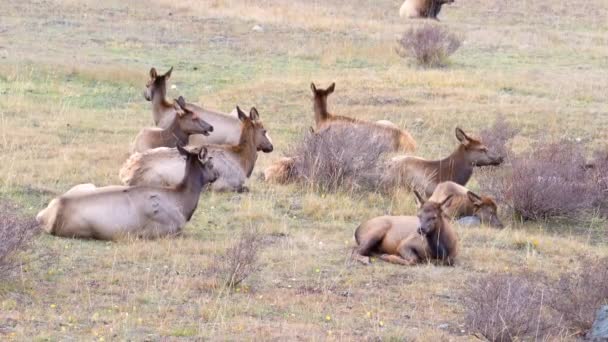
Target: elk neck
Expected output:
[189,189]
[456,167]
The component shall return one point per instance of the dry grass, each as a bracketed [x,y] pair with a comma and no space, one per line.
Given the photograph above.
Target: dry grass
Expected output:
[67,116]
[428,45]
[15,234]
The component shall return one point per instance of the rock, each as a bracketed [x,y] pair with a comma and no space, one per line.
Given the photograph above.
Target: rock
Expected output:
[257,28]
[443,326]
[599,330]
[469,221]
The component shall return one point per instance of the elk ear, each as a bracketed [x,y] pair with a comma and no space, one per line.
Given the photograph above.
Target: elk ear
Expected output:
[462,136]
[313,88]
[202,154]
[474,198]
[153,73]
[180,106]
[331,88]
[182,150]
[446,202]
[242,116]
[168,73]
[253,114]
[419,199]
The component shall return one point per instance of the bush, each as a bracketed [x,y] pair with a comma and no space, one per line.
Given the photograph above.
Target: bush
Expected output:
[344,157]
[240,260]
[598,177]
[15,232]
[506,308]
[429,45]
[497,136]
[577,297]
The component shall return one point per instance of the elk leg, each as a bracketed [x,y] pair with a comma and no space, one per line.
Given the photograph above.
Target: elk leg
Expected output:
[365,248]
[396,259]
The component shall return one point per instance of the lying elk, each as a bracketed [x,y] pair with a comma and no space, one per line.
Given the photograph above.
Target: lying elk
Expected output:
[467,203]
[421,174]
[408,240]
[402,140]
[141,211]
[422,8]
[184,124]
[235,163]
[226,128]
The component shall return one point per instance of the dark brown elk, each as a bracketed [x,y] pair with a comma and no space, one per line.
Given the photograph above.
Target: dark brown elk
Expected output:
[402,140]
[139,211]
[235,163]
[408,240]
[424,175]
[467,203]
[184,124]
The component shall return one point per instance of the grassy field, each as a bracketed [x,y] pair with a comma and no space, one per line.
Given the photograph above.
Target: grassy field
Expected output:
[71,81]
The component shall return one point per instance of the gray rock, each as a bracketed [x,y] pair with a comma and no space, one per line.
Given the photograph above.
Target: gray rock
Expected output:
[257,28]
[599,330]
[469,221]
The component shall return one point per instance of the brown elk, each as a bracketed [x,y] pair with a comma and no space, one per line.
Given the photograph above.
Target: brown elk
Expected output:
[226,128]
[467,203]
[408,240]
[424,175]
[235,163]
[402,140]
[115,211]
[184,124]
[422,8]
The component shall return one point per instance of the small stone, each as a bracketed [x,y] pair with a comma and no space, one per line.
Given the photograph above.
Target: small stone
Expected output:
[599,330]
[443,326]
[469,221]
[257,28]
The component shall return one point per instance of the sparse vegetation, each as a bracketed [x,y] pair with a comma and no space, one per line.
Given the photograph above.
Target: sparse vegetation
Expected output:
[341,157]
[429,45]
[15,232]
[240,260]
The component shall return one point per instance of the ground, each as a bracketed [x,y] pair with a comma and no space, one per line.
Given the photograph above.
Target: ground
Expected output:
[71,80]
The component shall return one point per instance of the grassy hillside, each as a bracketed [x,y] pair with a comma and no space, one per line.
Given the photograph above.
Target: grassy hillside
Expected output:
[71,80]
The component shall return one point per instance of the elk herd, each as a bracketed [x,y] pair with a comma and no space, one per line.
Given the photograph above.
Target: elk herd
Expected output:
[192,149]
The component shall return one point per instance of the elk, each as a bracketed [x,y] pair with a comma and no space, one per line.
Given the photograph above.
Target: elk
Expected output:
[184,124]
[467,203]
[140,211]
[226,128]
[424,175]
[408,240]
[402,140]
[422,8]
[235,163]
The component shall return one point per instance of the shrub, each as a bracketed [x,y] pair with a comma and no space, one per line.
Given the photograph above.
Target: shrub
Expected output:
[549,182]
[240,260]
[15,232]
[344,157]
[498,135]
[576,297]
[429,45]
[598,178]
[506,308]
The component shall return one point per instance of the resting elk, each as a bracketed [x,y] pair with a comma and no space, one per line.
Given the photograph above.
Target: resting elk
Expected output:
[235,163]
[422,8]
[184,124]
[408,240]
[226,128]
[140,211]
[467,203]
[402,140]
[424,175]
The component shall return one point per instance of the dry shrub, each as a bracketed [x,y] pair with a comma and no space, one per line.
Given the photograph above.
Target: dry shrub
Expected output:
[505,307]
[15,232]
[548,182]
[240,261]
[576,297]
[346,157]
[497,136]
[598,178]
[429,45]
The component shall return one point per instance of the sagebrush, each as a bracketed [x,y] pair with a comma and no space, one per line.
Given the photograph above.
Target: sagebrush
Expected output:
[15,232]
[429,45]
[346,157]
[240,260]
